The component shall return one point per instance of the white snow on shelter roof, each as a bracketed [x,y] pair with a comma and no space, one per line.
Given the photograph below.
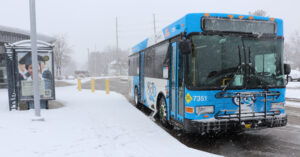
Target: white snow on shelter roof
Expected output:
[42,37]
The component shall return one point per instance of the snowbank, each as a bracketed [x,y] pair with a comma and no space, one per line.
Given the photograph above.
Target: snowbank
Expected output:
[86,79]
[293,93]
[293,85]
[293,97]
[293,104]
[90,124]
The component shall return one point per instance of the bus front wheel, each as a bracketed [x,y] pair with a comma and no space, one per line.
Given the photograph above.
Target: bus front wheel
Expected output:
[136,97]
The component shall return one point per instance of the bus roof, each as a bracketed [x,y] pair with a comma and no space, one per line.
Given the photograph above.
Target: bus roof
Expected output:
[192,23]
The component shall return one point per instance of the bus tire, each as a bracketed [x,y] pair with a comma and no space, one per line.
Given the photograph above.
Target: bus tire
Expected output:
[136,97]
[162,111]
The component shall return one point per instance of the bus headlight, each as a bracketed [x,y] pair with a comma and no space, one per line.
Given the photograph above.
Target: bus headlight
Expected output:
[277,105]
[205,109]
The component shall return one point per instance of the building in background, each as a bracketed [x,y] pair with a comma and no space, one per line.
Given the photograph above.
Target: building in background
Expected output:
[11,35]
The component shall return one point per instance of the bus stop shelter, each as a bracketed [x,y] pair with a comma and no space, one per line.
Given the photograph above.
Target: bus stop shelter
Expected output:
[19,74]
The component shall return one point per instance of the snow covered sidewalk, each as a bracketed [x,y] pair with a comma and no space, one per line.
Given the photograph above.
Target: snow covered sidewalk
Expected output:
[89,125]
[293,93]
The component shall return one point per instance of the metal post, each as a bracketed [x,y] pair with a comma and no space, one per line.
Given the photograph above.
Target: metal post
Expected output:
[266,97]
[79,84]
[117,46]
[89,64]
[107,86]
[239,95]
[155,38]
[93,85]
[95,63]
[34,61]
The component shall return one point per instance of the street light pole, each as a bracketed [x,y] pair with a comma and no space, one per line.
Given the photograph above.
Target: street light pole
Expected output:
[117,46]
[89,64]
[34,62]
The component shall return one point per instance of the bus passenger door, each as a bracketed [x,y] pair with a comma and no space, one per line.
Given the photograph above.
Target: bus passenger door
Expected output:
[176,107]
[141,78]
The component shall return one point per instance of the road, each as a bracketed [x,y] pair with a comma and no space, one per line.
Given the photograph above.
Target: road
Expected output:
[283,141]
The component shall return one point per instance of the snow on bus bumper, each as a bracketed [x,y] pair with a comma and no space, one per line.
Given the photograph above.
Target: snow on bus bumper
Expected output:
[226,125]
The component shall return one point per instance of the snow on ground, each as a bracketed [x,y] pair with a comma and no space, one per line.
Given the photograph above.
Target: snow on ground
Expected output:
[293,85]
[74,81]
[293,104]
[86,79]
[293,92]
[90,124]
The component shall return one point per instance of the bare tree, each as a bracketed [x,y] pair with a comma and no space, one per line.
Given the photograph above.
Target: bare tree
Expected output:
[70,67]
[259,12]
[108,60]
[61,54]
[292,50]
[291,46]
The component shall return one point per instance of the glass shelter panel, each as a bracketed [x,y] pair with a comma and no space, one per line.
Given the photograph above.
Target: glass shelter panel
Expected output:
[45,73]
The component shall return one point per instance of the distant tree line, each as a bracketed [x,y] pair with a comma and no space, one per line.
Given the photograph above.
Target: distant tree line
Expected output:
[258,12]
[108,62]
[292,50]
[63,61]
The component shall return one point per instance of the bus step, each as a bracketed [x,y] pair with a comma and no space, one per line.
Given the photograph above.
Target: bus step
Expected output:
[152,115]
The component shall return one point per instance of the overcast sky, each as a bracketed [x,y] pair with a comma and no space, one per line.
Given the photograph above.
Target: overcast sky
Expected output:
[91,23]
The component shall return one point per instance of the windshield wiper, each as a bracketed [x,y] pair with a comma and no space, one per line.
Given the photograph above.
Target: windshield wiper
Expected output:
[236,72]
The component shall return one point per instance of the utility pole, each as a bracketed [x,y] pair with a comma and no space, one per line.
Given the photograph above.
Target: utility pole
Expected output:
[88,59]
[155,38]
[35,64]
[117,46]
[117,36]
[95,60]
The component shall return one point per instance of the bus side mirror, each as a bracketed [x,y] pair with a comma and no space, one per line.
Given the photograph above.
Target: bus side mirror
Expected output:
[185,46]
[287,69]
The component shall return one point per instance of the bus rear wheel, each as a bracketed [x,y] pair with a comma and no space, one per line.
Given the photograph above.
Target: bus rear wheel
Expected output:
[162,109]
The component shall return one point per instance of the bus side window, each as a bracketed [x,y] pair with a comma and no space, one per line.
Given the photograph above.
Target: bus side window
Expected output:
[161,61]
[166,62]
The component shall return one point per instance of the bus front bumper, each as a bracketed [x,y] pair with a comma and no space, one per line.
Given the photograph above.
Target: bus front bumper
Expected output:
[225,125]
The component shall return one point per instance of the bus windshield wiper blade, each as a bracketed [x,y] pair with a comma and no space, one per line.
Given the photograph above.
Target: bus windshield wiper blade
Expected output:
[239,67]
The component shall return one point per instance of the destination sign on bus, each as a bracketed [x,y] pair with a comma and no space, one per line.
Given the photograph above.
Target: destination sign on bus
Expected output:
[238,25]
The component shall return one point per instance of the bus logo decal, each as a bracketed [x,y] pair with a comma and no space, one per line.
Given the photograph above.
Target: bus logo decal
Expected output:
[151,91]
[246,102]
[188,98]
[167,32]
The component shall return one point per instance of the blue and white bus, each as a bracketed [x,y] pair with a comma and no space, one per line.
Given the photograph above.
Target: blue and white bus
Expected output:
[212,73]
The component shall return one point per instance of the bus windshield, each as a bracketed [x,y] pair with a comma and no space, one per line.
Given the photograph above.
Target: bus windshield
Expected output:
[235,61]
